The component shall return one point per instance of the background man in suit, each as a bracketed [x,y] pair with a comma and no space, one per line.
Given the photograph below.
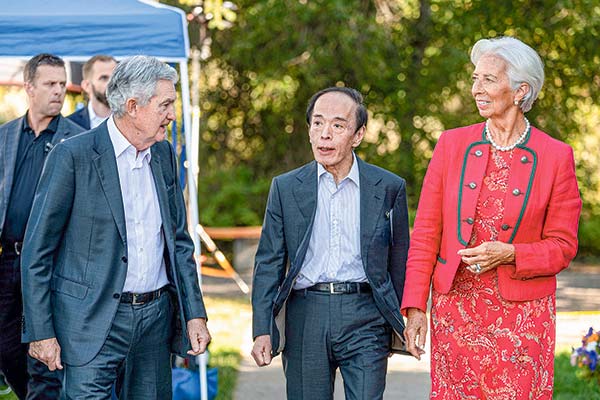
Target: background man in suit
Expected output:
[329,269]
[96,74]
[24,143]
[108,271]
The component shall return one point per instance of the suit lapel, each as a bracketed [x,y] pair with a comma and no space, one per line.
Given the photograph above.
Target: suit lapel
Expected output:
[9,146]
[371,203]
[63,131]
[161,192]
[106,167]
[305,194]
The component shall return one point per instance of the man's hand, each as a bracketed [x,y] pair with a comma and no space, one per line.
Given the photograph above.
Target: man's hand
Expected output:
[47,351]
[416,326]
[199,336]
[261,352]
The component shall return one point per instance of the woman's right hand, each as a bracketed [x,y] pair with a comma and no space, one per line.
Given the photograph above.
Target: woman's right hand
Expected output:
[416,327]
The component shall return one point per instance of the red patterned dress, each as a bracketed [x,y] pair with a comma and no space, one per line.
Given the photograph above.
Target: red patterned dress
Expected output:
[482,346]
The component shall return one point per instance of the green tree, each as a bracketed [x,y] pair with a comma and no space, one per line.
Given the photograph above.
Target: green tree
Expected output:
[409,58]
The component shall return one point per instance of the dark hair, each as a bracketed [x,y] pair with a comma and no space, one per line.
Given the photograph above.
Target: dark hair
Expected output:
[41,59]
[89,64]
[361,110]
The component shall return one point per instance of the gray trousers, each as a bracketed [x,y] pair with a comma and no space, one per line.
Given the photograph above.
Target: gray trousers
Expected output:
[136,350]
[326,331]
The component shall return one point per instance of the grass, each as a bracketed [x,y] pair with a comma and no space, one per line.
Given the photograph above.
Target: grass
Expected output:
[229,322]
[567,384]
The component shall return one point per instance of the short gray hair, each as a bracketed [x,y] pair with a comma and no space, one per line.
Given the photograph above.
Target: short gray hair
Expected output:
[524,64]
[136,77]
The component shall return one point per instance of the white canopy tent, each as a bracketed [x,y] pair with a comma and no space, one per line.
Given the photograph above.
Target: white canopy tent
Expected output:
[77,30]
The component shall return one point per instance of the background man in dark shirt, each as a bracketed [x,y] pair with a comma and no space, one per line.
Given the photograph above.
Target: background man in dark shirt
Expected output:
[24,143]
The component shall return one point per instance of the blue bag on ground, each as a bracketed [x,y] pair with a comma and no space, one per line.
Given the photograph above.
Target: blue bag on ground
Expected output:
[186,384]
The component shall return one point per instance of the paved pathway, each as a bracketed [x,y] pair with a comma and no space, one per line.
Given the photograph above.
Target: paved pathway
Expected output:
[578,305]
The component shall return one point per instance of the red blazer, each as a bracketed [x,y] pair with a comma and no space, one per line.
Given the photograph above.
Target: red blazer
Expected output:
[541,215]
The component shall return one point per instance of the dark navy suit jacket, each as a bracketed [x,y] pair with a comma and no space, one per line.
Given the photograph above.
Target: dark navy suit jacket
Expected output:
[81,117]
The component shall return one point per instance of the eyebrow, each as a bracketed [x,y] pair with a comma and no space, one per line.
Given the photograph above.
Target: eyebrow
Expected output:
[485,75]
[335,118]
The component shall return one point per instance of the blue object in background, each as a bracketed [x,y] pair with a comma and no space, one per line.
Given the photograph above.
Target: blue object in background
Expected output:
[186,384]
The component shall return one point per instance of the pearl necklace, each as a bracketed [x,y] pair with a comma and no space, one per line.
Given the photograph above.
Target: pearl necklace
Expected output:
[520,140]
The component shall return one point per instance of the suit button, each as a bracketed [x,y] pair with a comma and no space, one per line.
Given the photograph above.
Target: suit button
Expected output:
[116,295]
[469,221]
[472,185]
[478,153]
[124,259]
[524,159]
[516,192]
[505,227]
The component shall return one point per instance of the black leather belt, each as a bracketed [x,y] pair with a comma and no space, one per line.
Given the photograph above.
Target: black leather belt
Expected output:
[141,298]
[341,287]
[12,248]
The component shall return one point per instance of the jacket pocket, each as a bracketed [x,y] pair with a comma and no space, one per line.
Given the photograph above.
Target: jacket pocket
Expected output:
[69,287]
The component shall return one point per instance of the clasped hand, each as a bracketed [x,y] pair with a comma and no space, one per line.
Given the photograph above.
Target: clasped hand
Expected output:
[487,256]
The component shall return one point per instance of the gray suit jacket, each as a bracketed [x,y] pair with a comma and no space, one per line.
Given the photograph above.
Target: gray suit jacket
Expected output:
[286,233]
[74,260]
[10,134]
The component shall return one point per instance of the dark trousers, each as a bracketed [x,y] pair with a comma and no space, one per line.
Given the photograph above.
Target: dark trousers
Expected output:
[326,331]
[29,378]
[136,352]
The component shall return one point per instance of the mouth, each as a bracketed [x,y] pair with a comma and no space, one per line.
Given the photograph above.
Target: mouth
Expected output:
[482,103]
[325,149]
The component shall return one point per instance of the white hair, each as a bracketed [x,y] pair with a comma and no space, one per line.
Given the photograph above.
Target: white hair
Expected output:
[524,64]
[136,77]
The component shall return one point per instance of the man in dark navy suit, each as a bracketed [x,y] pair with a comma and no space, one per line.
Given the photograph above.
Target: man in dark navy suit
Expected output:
[96,74]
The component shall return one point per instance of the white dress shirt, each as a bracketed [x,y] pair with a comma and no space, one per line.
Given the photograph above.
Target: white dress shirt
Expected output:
[95,120]
[145,240]
[333,253]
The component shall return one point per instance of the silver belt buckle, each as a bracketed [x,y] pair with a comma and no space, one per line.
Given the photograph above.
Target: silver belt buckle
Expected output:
[331,288]
[134,300]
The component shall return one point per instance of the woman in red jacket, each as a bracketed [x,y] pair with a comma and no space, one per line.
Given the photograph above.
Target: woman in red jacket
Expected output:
[497,220]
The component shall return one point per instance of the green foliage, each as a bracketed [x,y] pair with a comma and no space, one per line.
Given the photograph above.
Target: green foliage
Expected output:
[411,61]
[567,383]
[232,197]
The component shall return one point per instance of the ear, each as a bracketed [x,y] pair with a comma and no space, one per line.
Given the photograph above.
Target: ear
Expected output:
[358,136]
[131,106]
[86,86]
[28,86]
[521,92]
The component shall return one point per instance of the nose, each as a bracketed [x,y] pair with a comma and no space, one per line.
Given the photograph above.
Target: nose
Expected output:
[477,87]
[171,113]
[326,131]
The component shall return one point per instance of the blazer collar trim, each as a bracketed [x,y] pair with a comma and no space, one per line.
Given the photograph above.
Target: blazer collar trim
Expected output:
[527,192]
[462,183]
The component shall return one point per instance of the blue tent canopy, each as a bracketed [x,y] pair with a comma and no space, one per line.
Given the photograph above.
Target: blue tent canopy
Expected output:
[76,30]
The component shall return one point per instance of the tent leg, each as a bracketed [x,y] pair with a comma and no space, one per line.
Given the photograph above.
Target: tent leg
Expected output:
[192,140]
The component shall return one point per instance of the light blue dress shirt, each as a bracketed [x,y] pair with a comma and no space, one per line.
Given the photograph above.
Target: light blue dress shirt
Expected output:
[333,253]
[146,269]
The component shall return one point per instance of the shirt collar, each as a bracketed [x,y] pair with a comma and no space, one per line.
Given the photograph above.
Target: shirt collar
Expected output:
[95,120]
[353,175]
[51,128]
[120,143]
